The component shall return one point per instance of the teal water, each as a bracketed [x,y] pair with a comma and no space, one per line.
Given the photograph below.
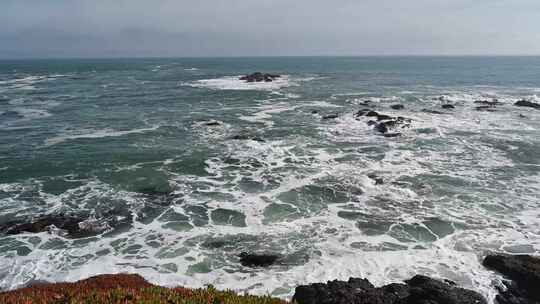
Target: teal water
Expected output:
[128,144]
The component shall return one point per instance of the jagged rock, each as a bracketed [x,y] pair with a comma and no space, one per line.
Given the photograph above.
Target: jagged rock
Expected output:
[418,290]
[488,108]
[397,107]
[526,103]
[447,106]
[384,122]
[74,227]
[212,123]
[257,260]
[524,271]
[378,180]
[260,77]
[488,103]
[247,137]
[432,111]
[330,116]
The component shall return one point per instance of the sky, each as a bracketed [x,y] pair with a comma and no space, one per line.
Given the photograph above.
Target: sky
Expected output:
[221,28]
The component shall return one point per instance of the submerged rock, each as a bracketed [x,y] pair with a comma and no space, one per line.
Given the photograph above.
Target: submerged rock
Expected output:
[397,107]
[488,108]
[418,290]
[330,116]
[524,271]
[378,180]
[260,77]
[488,103]
[74,227]
[247,137]
[257,260]
[212,123]
[526,103]
[448,106]
[384,122]
[432,111]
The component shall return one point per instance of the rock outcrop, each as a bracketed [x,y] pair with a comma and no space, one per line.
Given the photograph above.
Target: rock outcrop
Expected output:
[72,227]
[524,271]
[526,103]
[384,123]
[257,260]
[418,290]
[260,77]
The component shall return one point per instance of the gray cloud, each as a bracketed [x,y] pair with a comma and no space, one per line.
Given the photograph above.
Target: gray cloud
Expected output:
[101,28]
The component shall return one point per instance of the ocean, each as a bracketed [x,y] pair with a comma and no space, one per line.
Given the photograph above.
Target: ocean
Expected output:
[177,166]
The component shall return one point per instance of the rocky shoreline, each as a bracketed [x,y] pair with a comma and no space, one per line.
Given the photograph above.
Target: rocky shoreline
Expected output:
[521,278]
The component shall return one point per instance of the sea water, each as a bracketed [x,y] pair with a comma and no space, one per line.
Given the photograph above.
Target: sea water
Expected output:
[199,166]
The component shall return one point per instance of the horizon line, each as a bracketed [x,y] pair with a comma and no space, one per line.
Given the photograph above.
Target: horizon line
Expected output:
[261,56]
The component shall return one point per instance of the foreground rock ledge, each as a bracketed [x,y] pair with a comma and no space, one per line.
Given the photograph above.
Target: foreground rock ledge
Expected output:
[524,273]
[418,290]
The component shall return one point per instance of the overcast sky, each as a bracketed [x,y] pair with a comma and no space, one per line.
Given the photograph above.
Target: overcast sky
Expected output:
[126,28]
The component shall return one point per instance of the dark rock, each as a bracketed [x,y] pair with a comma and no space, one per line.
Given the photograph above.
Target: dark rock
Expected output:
[488,103]
[526,103]
[247,137]
[372,114]
[486,108]
[397,107]
[330,116]
[524,271]
[427,290]
[392,134]
[361,112]
[522,116]
[418,290]
[212,123]
[378,180]
[74,227]
[314,112]
[432,111]
[447,106]
[260,77]
[257,260]
[384,117]
[381,127]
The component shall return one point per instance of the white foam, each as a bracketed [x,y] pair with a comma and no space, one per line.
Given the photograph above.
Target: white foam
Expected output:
[234,83]
[96,134]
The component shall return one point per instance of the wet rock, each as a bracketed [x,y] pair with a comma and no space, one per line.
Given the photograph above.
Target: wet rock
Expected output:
[447,106]
[260,77]
[526,103]
[397,107]
[384,122]
[330,116]
[257,260]
[212,123]
[418,290]
[488,103]
[524,271]
[73,226]
[384,117]
[314,112]
[378,180]
[247,137]
[381,127]
[432,111]
[486,108]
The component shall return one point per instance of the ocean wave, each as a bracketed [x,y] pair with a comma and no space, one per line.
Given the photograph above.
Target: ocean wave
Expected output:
[234,83]
[96,134]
